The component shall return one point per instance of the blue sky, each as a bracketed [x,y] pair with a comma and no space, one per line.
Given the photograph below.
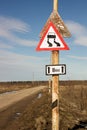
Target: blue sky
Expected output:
[20,24]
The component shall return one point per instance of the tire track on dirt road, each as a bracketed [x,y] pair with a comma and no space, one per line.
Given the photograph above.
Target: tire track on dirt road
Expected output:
[9,99]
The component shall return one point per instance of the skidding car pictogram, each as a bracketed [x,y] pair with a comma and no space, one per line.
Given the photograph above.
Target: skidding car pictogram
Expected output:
[52,35]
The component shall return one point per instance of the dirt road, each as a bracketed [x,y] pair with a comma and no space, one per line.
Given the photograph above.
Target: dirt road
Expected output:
[10,98]
[22,114]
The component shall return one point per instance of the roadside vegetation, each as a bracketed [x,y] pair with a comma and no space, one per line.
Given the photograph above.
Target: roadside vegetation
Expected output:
[73,107]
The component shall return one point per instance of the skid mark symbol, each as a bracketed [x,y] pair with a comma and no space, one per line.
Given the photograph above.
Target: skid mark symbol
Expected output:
[51,35]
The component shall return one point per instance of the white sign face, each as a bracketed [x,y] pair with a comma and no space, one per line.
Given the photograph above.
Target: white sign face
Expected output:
[51,40]
[59,69]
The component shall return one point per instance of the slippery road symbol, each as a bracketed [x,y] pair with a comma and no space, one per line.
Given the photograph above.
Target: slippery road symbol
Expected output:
[51,39]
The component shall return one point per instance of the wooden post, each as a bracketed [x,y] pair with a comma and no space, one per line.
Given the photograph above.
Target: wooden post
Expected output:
[50,86]
[55,93]
[55,85]
[55,5]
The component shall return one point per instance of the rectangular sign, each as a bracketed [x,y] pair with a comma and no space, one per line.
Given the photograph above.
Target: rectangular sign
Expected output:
[59,69]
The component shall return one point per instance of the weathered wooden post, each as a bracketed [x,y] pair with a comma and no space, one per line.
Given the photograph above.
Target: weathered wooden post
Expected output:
[55,84]
[55,5]
[55,93]
[50,85]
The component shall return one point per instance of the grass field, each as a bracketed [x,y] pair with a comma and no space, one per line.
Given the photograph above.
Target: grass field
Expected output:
[72,106]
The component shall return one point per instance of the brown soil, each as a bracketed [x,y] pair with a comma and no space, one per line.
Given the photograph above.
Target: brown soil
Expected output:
[22,115]
[34,112]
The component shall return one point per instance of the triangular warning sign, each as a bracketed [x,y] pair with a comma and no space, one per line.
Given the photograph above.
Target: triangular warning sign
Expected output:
[52,40]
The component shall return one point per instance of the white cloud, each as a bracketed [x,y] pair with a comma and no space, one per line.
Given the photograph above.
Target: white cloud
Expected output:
[78,31]
[16,66]
[7,28]
[10,58]
[82,40]
[78,57]
[20,67]
[5,46]
[13,24]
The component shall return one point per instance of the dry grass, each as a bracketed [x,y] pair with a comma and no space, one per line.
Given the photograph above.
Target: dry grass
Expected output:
[73,108]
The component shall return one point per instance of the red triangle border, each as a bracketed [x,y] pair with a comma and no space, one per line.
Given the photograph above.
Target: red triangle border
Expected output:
[58,34]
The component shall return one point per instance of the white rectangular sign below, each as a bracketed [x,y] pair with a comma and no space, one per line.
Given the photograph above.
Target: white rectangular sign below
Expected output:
[59,69]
